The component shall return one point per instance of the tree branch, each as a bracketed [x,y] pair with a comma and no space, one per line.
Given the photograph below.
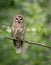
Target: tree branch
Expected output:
[36,43]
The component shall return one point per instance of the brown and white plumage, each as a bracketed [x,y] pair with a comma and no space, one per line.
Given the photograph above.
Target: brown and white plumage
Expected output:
[18,32]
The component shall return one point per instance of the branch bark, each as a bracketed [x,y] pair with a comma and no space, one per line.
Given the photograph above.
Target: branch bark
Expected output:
[36,43]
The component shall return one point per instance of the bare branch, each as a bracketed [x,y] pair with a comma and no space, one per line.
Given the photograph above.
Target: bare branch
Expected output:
[36,43]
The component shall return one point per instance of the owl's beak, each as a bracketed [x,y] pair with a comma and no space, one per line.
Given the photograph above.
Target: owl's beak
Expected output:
[18,50]
[18,21]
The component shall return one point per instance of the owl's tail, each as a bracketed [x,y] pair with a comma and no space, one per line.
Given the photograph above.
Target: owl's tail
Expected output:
[18,45]
[18,50]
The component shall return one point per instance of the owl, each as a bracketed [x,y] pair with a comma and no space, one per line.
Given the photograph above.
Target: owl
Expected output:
[18,32]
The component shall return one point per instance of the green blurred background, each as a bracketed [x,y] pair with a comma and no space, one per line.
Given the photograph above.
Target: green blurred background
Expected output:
[37,14]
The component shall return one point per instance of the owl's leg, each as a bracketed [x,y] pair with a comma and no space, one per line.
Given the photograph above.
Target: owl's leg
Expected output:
[14,42]
[21,43]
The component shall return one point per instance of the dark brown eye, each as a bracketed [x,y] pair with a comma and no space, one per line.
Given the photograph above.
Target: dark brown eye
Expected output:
[21,19]
[16,18]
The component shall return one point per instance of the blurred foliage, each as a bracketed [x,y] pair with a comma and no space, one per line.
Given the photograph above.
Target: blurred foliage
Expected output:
[37,14]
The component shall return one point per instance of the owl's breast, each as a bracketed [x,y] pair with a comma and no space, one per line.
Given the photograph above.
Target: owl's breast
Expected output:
[18,31]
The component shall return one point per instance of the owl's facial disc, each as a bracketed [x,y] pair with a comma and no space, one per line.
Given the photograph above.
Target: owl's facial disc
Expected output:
[19,20]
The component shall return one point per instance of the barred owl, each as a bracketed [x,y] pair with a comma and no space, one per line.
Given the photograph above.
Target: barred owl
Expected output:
[18,32]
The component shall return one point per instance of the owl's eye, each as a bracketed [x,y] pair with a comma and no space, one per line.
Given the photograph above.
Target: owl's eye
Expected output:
[16,18]
[21,19]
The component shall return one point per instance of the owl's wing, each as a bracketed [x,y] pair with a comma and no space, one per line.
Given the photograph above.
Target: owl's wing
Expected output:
[14,32]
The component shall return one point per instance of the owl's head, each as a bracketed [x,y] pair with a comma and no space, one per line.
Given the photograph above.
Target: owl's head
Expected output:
[19,19]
